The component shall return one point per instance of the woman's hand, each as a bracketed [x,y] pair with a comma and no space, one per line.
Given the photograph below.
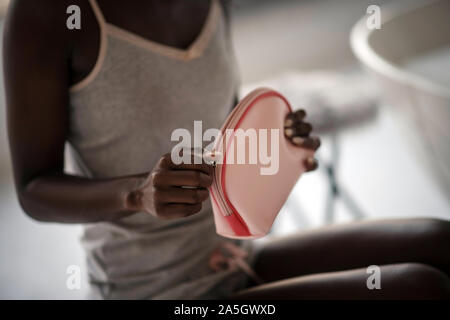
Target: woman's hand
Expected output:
[298,132]
[173,191]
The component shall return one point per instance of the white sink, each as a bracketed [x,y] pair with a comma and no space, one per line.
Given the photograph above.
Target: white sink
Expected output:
[410,58]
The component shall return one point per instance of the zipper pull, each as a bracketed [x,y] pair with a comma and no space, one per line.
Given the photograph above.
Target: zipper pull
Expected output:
[211,157]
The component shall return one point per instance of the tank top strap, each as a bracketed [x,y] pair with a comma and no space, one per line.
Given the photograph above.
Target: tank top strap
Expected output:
[101,51]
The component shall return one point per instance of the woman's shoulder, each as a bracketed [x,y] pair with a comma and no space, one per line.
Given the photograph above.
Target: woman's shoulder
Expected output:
[39,13]
[44,20]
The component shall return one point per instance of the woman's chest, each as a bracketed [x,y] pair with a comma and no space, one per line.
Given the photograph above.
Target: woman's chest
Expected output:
[175,23]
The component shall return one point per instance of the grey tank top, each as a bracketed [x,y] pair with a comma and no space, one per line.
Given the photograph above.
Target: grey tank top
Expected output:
[121,119]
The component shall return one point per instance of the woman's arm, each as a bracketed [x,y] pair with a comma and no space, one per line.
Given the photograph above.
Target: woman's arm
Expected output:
[37,48]
[36,69]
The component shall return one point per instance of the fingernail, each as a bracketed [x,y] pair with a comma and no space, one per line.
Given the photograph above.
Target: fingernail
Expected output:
[288,122]
[301,114]
[288,132]
[310,161]
[298,140]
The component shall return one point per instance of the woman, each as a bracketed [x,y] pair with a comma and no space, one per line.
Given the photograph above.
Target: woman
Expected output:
[114,90]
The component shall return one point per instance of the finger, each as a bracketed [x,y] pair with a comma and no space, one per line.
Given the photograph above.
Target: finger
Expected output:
[311,164]
[299,129]
[180,195]
[176,210]
[312,143]
[294,117]
[181,178]
[167,163]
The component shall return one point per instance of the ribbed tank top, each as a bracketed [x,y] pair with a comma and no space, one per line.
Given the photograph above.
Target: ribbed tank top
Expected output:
[121,119]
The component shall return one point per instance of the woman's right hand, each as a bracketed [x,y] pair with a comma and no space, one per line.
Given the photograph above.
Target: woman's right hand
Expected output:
[173,191]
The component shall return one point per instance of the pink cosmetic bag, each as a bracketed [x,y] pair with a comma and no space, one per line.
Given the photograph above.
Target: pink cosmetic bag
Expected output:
[245,201]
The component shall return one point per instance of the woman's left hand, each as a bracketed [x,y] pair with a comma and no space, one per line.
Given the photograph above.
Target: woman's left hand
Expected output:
[298,132]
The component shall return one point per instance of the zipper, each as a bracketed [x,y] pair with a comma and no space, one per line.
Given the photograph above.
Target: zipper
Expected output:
[226,210]
[234,219]
[237,112]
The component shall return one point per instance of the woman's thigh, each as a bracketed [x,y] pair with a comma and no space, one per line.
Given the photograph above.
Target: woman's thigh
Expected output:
[397,281]
[356,245]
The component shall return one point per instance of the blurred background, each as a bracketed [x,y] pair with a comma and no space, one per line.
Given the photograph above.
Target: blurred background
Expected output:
[373,164]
